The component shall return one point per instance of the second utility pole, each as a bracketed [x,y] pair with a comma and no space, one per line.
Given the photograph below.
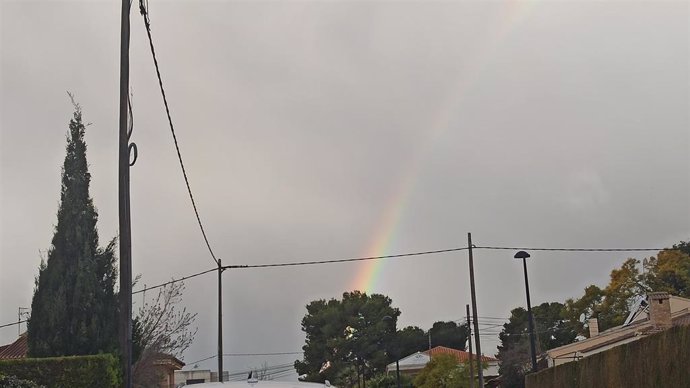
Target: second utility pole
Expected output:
[480,373]
[220,321]
[469,342]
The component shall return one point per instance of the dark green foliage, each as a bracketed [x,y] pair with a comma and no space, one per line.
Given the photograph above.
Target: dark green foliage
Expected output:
[74,307]
[551,330]
[449,334]
[389,381]
[14,382]
[410,340]
[350,334]
[660,360]
[100,371]
[353,338]
[443,371]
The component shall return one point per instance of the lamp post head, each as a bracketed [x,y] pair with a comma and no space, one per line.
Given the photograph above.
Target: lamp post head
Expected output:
[521,255]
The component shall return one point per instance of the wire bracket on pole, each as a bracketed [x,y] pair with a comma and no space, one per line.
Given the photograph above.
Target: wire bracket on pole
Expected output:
[131,147]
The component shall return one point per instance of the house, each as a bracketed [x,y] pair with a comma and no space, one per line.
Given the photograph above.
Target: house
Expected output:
[166,365]
[414,363]
[198,376]
[659,312]
[17,349]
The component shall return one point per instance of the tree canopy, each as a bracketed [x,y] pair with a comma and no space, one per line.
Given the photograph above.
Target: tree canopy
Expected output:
[357,336]
[74,307]
[346,333]
[668,271]
[551,330]
[443,371]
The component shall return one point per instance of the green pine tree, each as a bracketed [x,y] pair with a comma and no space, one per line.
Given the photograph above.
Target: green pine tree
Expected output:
[74,307]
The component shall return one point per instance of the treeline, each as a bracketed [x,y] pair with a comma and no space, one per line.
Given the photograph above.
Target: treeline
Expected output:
[558,324]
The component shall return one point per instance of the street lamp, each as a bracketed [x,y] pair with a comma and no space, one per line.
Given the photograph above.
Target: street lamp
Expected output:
[524,255]
[388,318]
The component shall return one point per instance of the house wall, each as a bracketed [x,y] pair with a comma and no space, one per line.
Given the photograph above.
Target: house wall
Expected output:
[182,376]
[659,360]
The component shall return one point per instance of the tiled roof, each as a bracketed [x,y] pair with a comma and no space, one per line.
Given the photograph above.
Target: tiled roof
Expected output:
[169,360]
[17,349]
[460,354]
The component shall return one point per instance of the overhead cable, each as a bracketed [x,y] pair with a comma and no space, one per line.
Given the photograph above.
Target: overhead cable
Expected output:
[147,23]
[577,249]
[12,324]
[175,281]
[348,260]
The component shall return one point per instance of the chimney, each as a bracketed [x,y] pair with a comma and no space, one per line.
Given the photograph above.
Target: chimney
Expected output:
[593,324]
[659,310]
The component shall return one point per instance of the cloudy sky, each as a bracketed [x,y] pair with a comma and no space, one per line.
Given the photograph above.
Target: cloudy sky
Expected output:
[332,129]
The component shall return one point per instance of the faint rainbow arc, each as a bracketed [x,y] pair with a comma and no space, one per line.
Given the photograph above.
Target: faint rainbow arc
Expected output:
[368,273]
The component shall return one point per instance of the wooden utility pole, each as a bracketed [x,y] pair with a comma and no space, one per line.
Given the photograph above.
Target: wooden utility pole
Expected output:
[220,321]
[125,324]
[469,343]
[480,373]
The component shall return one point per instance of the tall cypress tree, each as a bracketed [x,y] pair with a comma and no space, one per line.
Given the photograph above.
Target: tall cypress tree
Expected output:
[74,307]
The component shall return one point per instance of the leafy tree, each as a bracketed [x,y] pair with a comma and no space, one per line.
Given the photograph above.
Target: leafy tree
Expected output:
[449,334]
[74,307]
[443,371]
[346,336]
[578,311]
[551,329]
[669,271]
[389,380]
[410,340]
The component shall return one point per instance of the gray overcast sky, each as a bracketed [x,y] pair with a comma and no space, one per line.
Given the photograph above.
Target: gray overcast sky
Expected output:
[323,129]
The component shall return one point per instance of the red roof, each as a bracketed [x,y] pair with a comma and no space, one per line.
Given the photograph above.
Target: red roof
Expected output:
[17,349]
[460,354]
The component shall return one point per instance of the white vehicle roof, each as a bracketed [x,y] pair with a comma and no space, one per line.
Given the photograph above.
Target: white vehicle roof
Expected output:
[260,384]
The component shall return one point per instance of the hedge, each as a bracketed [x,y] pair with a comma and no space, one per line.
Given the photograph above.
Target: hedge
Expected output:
[660,360]
[100,370]
[14,382]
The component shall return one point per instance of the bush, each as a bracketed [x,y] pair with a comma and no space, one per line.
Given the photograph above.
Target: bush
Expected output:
[101,371]
[14,382]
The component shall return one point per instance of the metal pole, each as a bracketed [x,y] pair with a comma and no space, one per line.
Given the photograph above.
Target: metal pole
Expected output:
[124,209]
[480,373]
[220,321]
[397,371]
[530,319]
[469,343]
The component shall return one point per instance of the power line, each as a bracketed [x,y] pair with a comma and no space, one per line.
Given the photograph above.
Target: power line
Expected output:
[383,257]
[259,354]
[348,259]
[144,13]
[246,355]
[175,281]
[401,255]
[578,249]
[12,324]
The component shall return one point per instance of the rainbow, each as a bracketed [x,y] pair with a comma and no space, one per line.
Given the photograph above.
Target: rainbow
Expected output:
[367,278]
